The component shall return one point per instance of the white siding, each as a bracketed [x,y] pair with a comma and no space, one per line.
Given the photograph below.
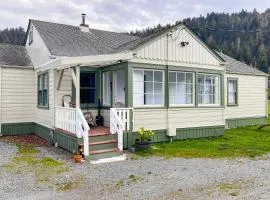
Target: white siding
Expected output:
[18,95]
[37,51]
[156,119]
[195,54]
[46,116]
[65,87]
[251,97]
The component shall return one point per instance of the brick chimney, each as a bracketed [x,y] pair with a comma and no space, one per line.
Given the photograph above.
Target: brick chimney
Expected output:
[83,26]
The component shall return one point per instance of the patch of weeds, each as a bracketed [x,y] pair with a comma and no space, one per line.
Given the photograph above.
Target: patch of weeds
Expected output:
[134,178]
[225,187]
[26,149]
[120,183]
[61,187]
[134,157]
[234,194]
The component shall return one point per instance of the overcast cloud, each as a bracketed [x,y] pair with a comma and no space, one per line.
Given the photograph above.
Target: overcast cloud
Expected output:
[117,15]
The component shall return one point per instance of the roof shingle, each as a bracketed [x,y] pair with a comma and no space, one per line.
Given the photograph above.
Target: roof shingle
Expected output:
[13,55]
[67,40]
[235,66]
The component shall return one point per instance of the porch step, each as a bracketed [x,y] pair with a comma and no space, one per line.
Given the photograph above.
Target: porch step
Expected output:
[101,137]
[107,144]
[104,153]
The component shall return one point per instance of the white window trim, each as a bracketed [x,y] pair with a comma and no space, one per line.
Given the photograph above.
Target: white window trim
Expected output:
[219,87]
[163,90]
[193,95]
[103,92]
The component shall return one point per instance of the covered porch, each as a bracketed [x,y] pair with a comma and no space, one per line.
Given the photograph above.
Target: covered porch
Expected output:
[92,99]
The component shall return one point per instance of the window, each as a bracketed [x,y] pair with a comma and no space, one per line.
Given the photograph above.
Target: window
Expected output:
[88,87]
[43,85]
[232,92]
[209,89]
[107,88]
[30,35]
[181,88]
[148,87]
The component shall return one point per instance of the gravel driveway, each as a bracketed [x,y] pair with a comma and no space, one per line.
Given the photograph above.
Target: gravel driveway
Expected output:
[138,178]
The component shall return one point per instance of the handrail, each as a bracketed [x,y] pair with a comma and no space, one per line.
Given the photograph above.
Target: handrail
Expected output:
[73,121]
[120,122]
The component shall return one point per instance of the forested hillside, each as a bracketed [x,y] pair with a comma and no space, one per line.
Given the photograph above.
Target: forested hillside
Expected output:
[12,36]
[244,35]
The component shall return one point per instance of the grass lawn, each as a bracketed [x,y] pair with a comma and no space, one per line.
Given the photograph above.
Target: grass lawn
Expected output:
[240,142]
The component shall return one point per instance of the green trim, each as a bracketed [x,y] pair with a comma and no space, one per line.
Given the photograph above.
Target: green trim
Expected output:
[66,141]
[248,121]
[18,128]
[194,69]
[166,88]
[129,85]
[237,91]
[114,67]
[222,90]
[181,134]
[43,132]
[147,66]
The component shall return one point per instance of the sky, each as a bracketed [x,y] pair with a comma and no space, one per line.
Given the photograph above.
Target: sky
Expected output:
[117,15]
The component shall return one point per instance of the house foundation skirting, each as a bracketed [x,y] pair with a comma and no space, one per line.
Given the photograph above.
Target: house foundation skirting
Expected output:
[181,134]
[248,121]
[66,141]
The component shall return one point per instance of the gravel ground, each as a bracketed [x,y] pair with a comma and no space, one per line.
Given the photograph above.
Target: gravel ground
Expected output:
[140,178]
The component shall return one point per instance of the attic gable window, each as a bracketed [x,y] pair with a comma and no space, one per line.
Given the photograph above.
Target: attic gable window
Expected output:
[30,36]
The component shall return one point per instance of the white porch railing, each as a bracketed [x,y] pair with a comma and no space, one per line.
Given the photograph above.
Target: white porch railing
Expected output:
[73,121]
[119,122]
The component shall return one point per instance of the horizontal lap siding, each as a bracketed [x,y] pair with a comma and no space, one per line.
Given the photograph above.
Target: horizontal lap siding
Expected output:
[195,117]
[65,87]
[46,116]
[251,97]
[18,95]
[156,119]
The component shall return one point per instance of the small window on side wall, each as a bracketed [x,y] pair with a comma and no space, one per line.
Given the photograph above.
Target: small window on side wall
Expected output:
[232,92]
[30,36]
[43,87]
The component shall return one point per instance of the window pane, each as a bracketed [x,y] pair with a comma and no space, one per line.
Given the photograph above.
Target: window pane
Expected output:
[40,102]
[46,83]
[172,89]
[138,76]
[138,99]
[87,96]
[107,88]
[172,76]
[148,99]
[189,78]
[148,75]
[148,87]
[88,80]
[181,77]
[158,76]
[158,99]
[45,97]
[232,92]
[138,87]
[157,87]
[40,79]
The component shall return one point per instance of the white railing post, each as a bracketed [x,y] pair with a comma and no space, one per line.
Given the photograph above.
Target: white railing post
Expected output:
[120,122]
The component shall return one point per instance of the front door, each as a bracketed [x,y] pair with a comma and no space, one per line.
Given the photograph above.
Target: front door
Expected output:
[119,89]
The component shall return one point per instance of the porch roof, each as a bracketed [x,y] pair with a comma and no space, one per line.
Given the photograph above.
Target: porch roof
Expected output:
[94,61]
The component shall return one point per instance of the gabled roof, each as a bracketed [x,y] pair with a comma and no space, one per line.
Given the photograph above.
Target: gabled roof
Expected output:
[70,41]
[14,56]
[235,66]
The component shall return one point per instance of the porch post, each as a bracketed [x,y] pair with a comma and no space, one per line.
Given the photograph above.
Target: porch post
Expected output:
[77,87]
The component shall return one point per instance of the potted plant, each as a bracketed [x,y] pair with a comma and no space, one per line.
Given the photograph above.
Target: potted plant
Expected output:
[77,157]
[143,142]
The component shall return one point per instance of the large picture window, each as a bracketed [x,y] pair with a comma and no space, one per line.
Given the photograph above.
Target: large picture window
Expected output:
[209,89]
[88,88]
[148,87]
[181,88]
[232,92]
[43,85]
[107,88]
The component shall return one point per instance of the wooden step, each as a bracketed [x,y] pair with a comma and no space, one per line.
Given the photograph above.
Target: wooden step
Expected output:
[102,137]
[108,154]
[106,144]
[101,151]
[98,134]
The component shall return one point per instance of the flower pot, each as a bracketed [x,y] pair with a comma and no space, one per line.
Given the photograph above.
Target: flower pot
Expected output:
[77,158]
[142,145]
